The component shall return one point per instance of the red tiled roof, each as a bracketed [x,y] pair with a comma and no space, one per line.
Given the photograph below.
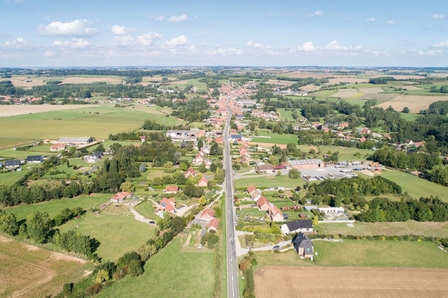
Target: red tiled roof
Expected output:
[172,188]
[208,212]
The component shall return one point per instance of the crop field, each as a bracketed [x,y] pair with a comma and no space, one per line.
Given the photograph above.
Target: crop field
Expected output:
[115,228]
[414,102]
[296,281]
[416,187]
[374,90]
[29,271]
[345,93]
[195,82]
[434,229]
[381,96]
[92,79]
[99,122]
[14,110]
[10,178]
[351,80]
[170,273]
[280,82]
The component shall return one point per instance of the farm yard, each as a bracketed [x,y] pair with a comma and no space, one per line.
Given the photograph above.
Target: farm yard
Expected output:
[349,282]
[42,273]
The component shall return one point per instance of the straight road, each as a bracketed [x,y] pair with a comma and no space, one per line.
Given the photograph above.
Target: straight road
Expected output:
[232,261]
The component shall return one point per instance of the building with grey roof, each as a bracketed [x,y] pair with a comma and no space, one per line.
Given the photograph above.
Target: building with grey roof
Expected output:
[76,140]
[300,164]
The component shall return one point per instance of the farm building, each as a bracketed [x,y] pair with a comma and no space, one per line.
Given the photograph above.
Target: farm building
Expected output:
[76,140]
[300,164]
[57,147]
[303,246]
[11,164]
[34,159]
[332,210]
[264,168]
[120,197]
[297,226]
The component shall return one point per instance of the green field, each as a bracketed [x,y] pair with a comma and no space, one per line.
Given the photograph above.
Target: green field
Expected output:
[98,122]
[409,116]
[269,181]
[195,82]
[147,210]
[416,187]
[56,206]
[434,229]
[287,115]
[170,273]
[268,137]
[378,253]
[287,258]
[10,178]
[346,153]
[115,228]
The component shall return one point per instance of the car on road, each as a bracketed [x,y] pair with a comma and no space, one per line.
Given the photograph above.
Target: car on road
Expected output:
[276,247]
[152,222]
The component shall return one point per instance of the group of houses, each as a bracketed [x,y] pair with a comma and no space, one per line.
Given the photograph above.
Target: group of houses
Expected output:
[244,154]
[263,204]
[208,215]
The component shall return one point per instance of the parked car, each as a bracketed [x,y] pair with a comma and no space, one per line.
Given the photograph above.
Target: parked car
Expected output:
[276,247]
[152,222]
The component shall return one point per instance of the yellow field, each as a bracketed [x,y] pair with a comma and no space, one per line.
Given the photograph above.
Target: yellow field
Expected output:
[14,110]
[414,102]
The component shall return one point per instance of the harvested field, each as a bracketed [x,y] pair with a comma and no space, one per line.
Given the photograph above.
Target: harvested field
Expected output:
[26,83]
[81,80]
[14,110]
[375,90]
[345,93]
[282,83]
[29,271]
[317,75]
[282,281]
[350,80]
[408,87]
[413,102]
[381,96]
[310,87]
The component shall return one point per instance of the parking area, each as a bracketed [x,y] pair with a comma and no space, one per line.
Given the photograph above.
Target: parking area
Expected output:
[337,171]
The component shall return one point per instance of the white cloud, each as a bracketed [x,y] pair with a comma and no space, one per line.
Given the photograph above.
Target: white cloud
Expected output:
[122,40]
[121,30]
[148,38]
[317,13]
[177,41]
[371,20]
[437,16]
[172,19]
[75,43]
[18,43]
[50,53]
[201,34]
[255,44]
[177,19]
[443,44]
[306,47]
[77,28]
[224,52]
[390,22]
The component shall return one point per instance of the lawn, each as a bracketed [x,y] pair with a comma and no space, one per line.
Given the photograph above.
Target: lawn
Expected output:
[268,137]
[416,187]
[434,229]
[147,210]
[99,122]
[170,273]
[115,228]
[10,178]
[268,181]
[287,115]
[410,116]
[378,253]
[287,258]
[56,206]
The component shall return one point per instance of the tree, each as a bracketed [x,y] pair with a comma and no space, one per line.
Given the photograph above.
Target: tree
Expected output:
[100,148]
[214,149]
[274,160]
[202,201]
[294,174]
[200,144]
[127,187]
[101,276]
[178,224]
[135,268]
[168,167]
[202,167]
[8,223]
[315,220]
[219,176]
[38,226]
[406,110]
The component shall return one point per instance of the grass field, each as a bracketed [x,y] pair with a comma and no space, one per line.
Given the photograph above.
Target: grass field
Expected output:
[416,187]
[28,271]
[115,228]
[287,115]
[434,229]
[409,116]
[268,137]
[56,206]
[269,181]
[10,178]
[170,273]
[147,210]
[98,122]
[380,254]
[346,153]
[287,258]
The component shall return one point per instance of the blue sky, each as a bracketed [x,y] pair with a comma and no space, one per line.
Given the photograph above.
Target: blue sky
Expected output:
[241,33]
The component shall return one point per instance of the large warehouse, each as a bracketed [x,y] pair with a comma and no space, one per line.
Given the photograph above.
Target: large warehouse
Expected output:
[76,140]
[300,164]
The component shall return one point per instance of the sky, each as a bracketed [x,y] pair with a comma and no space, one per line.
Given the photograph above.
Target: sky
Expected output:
[49,33]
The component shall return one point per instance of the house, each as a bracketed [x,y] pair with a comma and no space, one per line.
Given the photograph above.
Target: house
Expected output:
[251,189]
[203,182]
[143,138]
[297,226]
[199,158]
[303,246]
[12,164]
[76,140]
[207,214]
[120,197]
[255,195]
[275,214]
[57,147]
[168,204]
[94,157]
[263,204]
[171,189]
[190,173]
[34,159]
[264,168]
[213,225]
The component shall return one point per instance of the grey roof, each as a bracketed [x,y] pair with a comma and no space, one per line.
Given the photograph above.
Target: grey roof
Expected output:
[38,158]
[12,163]
[299,224]
[297,162]
[68,140]
[266,167]
[303,241]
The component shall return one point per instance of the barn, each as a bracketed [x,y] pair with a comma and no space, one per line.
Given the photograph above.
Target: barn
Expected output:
[301,164]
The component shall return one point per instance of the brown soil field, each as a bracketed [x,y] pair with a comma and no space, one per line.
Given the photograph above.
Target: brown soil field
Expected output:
[414,102]
[345,93]
[329,282]
[14,110]
[310,87]
[408,87]
[75,80]
[318,75]
[19,82]
[350,80]
[382,97]
[375,90]
[281,83]
[29,271]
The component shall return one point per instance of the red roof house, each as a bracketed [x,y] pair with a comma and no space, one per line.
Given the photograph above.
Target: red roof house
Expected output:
[203,181]
[168,204]
[213,225]
[207,214]
[263,204]
[171,189]
[190,173]
[120,196]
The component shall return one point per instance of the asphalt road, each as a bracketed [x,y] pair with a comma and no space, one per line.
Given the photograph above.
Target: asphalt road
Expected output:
[232,261]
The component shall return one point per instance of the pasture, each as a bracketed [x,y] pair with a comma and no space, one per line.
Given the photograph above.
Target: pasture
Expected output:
[170,273]
[270,281]
[97,121]
[268,137]
[29,271]
[147,210]
[116,230]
